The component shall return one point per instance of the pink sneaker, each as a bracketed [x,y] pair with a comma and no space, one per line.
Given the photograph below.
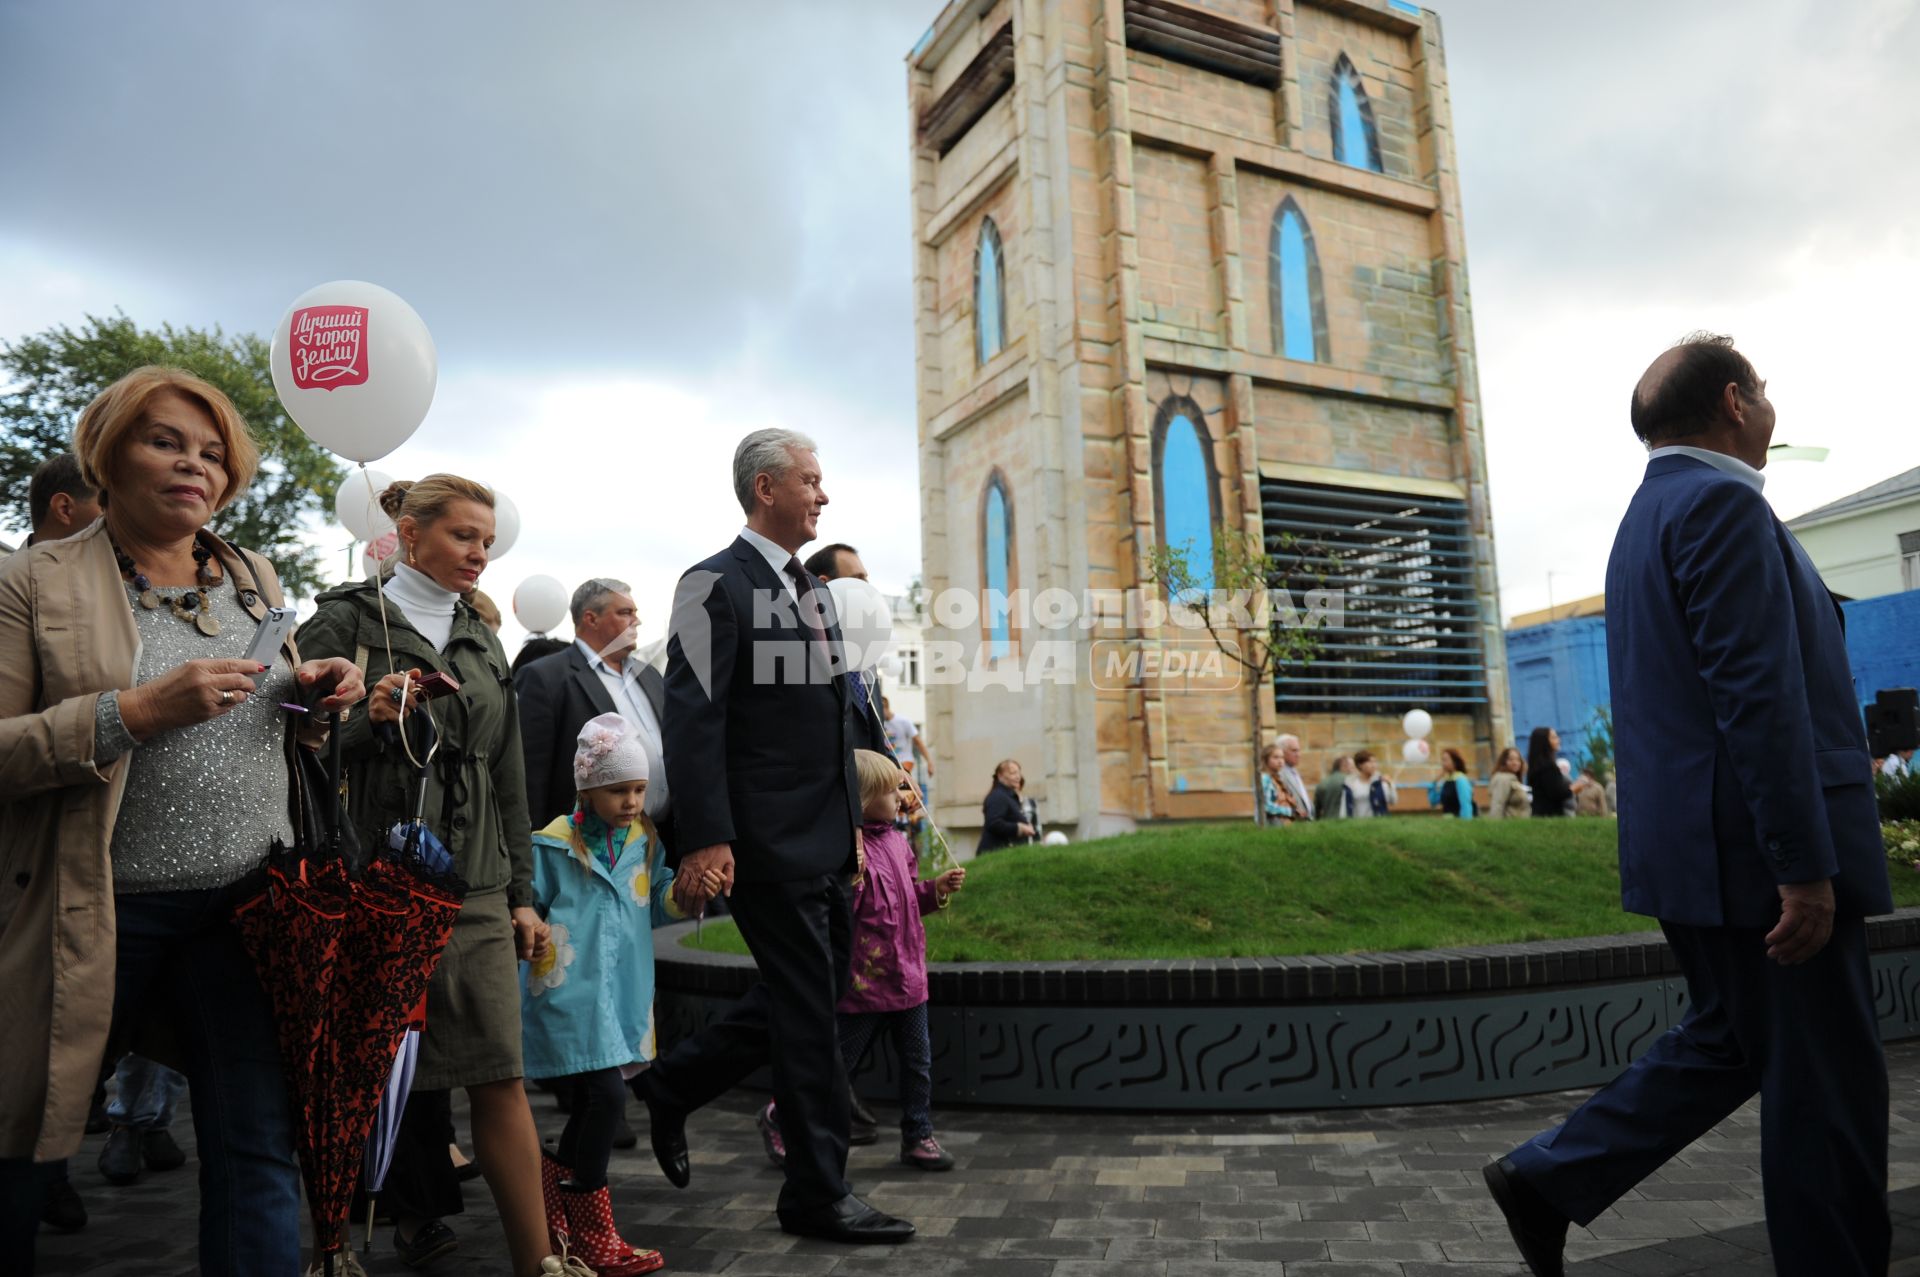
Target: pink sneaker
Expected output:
[926,1154]
[770,1136]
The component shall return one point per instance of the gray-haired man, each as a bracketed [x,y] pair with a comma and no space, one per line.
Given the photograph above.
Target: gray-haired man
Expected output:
[559,693]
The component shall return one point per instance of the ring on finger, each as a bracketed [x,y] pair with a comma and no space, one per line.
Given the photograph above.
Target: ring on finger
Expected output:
[226,696]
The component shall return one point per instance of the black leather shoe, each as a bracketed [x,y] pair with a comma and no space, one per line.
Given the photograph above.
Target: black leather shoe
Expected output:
[667,1132]
[847,1220]
[1537,1229]
[63,1211]
[120,1161]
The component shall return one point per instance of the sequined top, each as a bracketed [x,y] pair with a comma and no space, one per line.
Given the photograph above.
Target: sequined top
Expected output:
[203,802]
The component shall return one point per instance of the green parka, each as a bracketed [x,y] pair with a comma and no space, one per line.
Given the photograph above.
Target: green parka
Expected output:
[476,787]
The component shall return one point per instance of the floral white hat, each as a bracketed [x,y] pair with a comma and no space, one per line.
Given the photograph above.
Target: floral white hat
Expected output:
[608,754]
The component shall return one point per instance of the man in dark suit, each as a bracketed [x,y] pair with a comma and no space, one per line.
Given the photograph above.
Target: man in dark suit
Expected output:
[593,675]
[830,563]
[1748,828]
[760,733]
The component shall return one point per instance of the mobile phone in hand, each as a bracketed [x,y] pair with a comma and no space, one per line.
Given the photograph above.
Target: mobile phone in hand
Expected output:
[271,633]
[435,685]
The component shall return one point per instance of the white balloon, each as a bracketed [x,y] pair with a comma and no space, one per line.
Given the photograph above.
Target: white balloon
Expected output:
[1054,838]
[506,525]
[890,665]
[378,551]
[1417,724]
[1416,751]
[356,504]
[540,603]
[866,622]
[355,368]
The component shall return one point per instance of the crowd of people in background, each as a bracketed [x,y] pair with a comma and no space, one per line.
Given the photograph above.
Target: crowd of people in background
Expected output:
[1354,786]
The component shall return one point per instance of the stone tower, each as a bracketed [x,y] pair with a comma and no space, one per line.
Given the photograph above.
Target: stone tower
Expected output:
[1189,270]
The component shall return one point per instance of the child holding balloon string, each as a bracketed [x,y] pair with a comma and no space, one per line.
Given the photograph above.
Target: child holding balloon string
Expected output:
[888,988]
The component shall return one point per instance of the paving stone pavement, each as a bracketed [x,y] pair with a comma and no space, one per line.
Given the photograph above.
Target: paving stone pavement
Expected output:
[1347,1193]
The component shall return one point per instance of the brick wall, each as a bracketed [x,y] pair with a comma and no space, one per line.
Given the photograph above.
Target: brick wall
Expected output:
[974,151]
[957,353]
[1347,434]
[1384,60]
[1180,285]
[1174,91]
[1375,269]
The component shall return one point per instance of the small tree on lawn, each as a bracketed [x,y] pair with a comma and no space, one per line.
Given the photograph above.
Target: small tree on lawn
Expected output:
[1247,607]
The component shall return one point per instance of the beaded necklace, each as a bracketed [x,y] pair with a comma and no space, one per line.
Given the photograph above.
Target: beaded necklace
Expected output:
[190,605]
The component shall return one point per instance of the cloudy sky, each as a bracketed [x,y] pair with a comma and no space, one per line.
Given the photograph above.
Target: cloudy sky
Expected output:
[639,230]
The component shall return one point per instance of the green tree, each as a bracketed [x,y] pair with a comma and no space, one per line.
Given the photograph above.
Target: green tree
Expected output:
[51,376]
[1246,605]
[1600,742]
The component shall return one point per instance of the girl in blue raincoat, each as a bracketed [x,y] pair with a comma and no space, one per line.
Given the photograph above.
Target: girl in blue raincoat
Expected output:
[586,1007]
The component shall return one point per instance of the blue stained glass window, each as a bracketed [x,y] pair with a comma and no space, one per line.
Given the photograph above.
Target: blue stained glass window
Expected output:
[1355,141]
[989,293]
[1293,278]
[1187,498]
[998,541]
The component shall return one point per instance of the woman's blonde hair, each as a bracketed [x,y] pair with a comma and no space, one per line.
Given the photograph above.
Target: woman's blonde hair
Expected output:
[109,421]
[425,500]
[878,774]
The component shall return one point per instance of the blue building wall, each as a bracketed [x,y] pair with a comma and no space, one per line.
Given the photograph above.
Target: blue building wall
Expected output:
[1557,675]
[1883,642]
[1558,671]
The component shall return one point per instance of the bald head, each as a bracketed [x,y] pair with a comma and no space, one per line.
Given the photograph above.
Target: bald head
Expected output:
[1700,386]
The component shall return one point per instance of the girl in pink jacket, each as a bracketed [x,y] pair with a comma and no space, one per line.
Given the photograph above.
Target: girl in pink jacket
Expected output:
[889,985]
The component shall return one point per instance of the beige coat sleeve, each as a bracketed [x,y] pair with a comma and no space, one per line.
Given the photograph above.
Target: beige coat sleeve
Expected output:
[41,747]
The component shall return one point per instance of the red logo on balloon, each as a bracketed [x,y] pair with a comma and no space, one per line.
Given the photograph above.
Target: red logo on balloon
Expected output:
[328,347]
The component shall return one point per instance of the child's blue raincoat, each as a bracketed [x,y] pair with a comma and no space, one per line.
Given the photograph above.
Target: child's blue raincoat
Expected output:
[588,1003]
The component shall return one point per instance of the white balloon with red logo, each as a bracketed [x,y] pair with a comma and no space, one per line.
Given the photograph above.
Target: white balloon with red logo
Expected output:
[356,503]
[1416,751]
[866,622]
[355,368]
[540,604]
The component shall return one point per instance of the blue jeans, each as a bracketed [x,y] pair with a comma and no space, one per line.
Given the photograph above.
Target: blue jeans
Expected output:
[180,955]
[144,1094]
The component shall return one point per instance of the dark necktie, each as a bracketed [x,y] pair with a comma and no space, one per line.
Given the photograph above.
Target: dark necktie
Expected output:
[810,616]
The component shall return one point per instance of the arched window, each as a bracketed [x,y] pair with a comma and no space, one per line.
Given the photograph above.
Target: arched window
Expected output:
[996,565]
[989,293]
[1295,299]
[1186,486]
[1355,140]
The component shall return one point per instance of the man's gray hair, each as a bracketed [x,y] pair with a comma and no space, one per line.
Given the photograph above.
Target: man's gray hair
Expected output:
[765,452]
[1286,739]
[593,593]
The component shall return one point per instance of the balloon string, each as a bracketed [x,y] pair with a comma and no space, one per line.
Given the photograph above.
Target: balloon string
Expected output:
[947,860]
[386,636]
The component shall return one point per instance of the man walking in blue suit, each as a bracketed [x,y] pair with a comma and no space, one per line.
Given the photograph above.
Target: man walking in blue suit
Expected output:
[1748,828]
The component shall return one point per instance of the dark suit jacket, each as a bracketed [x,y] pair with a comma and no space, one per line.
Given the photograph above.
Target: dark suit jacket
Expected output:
[558,694]
[1742,762]
[759,747]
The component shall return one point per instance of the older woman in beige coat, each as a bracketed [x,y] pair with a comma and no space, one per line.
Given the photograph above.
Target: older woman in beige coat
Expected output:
[142,777]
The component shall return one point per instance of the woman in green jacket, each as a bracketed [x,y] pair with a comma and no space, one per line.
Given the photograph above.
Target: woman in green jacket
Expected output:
[415,624]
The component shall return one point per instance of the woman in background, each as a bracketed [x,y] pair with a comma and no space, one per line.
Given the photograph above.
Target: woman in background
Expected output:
[1507,797]
[1552,795]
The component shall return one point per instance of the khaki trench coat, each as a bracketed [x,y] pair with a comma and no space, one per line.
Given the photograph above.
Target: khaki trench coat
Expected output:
[66,636]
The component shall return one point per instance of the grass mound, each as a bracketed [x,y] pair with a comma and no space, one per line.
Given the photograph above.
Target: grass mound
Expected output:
[1233,891]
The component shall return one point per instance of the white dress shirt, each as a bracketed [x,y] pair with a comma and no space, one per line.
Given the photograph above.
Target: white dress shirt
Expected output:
[1718,460]
[630,702]
[777,558]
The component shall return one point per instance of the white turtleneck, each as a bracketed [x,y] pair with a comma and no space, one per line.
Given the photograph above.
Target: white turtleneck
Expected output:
[427,607]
